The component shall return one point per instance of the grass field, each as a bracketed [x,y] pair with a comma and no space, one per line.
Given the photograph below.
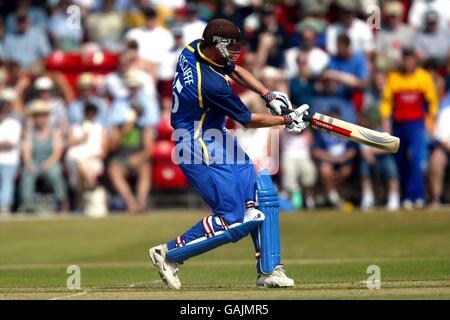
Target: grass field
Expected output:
[326,252]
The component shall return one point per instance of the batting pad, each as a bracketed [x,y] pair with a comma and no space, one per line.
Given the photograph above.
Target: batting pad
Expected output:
[269,229]
[235,232]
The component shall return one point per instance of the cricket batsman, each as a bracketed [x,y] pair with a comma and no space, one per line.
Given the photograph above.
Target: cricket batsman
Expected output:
[241,202]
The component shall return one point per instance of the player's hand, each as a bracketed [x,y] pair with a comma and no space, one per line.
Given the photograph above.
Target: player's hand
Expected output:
[294,120]
[275,100]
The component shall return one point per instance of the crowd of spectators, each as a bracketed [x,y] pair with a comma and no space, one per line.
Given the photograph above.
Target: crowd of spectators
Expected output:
[387,69]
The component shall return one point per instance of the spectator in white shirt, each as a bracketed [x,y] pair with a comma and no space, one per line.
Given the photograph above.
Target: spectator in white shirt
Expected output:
[439,157]
[10,132]
[358,31]
[154,42]
[419,7]
[193,28]
[316,58]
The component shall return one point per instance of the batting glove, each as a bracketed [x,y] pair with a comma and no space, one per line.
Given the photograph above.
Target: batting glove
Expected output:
[294,120]
[275,100]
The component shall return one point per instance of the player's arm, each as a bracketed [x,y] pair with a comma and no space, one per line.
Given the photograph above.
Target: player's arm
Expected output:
[259,120]
[274,99]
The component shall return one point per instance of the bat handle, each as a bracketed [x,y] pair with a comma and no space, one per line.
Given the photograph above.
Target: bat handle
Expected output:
[286,111]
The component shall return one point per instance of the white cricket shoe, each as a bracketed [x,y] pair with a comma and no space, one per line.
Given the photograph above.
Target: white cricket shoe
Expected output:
[277,279]
[168,271]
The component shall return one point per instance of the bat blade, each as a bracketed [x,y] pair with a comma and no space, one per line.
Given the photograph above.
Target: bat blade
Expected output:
[353,132]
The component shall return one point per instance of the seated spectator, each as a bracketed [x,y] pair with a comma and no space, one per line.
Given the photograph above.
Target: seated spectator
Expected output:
[357,30]
[299,169]
[28,46]
[335,157]
[137,97]
[348,68]
[439,157]
[301,86]
[326,99]
[38,17]
[419,7]
[10,133]
[257,142]
[394,35]
[87,95]
[114,82]
[316,58]
[42,151]
[106,27]
[87,148]
[45,88]
[65,37]
[433,43]
[131,142]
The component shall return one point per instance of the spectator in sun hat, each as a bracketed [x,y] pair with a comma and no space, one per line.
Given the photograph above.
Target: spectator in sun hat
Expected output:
[45,90]
[42,151]
[87,89]
[394,34]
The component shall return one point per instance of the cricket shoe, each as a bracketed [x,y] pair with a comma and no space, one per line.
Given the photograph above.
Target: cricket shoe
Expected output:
[168,271]
[277,279]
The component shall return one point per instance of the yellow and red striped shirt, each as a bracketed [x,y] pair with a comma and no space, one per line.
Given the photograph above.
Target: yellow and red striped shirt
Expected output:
[409,97]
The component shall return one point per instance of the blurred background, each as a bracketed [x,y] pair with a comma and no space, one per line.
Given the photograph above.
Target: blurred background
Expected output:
[85,100]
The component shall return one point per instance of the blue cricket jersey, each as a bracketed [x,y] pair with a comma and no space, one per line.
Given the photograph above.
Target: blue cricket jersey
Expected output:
[202,93]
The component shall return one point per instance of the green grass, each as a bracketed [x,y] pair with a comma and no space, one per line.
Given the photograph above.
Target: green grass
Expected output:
[327,253]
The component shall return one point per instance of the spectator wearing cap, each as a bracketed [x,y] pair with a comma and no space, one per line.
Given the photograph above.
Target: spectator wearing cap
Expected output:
[37,16]
[45,89]
[361,36]
[10,134]
[42,151]
[131,142]
[419,7]
[28,46]
[87,95]
[394,35]
[106,26]
[349,69]
[433,43]
[65,37]
[87,148]
[316,58]
[408,106]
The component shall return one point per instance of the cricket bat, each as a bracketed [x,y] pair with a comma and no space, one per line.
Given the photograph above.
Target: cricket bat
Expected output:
[353,132]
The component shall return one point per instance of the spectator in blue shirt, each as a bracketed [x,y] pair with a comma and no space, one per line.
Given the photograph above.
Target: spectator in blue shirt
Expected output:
[335,158]
[28,46]
[37,15]
[349,68]
[137,99]
[86,87]
[327,99]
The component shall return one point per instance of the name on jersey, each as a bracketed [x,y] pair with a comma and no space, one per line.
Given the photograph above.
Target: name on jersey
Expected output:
[188,77]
